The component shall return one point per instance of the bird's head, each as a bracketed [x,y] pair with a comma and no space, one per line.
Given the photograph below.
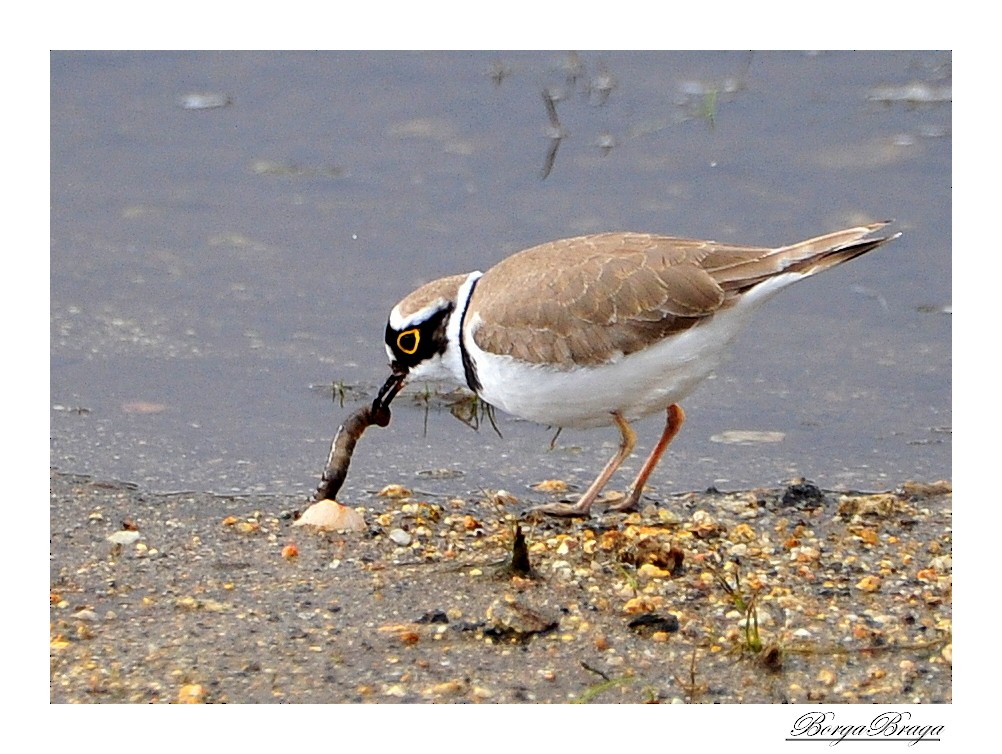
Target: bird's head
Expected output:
[422,332]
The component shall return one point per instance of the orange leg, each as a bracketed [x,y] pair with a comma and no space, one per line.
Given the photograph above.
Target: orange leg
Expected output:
[581,507]
[676,418]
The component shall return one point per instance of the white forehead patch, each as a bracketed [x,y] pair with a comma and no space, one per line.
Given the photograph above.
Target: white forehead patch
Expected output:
[428,300]
[398,321]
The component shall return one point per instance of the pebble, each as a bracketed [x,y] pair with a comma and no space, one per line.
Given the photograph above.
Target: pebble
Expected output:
[395,491]
[512,616]
[447,688]
[651,623]
[651,571]
[400,537]
[503,497]
[123,537]
[607,577]
[869,583]
[191,693]
[551,485]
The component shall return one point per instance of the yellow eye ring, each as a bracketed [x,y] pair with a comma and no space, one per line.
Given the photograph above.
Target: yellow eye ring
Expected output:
[408,341]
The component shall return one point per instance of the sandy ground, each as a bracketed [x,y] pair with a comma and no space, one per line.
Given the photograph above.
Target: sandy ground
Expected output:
[772,595]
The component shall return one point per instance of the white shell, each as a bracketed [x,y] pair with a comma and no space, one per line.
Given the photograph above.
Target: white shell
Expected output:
[331,516]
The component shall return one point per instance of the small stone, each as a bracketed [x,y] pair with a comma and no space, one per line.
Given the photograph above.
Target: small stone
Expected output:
[639,605]
[880,505]
[191,693]
[395,491]
[123,537]
[742,533]
[409,637]
[923,489]
[869,583]
[433,616]
[503,497]
[510,617]
[447,688]
[804,554]
[803,494]
[402,632]
[705,526]
[651,623]
[400,537]
[651,571]
[551,485]
[826,676]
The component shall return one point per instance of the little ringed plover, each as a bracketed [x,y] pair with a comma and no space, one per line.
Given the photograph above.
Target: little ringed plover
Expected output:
[600,329]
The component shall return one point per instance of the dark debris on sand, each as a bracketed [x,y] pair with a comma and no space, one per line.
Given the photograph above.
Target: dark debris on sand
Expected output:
[758,596]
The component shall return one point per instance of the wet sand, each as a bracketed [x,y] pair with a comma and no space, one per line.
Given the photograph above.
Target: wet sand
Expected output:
[758,596]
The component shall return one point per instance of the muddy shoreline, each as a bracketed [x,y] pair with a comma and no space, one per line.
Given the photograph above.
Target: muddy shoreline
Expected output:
[760,596]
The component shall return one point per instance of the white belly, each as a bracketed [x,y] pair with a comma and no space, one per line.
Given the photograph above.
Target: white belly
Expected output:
[642,383]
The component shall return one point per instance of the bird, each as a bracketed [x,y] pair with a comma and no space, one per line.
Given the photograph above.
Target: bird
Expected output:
[600,330]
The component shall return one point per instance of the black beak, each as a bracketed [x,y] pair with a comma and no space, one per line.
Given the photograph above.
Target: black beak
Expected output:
[390,388]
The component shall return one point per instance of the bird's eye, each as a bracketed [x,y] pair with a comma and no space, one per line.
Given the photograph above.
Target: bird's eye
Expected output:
[408,341]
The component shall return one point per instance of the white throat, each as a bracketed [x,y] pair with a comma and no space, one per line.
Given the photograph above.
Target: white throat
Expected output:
[452,359]
[449,366]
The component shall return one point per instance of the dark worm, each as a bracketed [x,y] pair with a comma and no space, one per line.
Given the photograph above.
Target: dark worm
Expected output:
[348,433]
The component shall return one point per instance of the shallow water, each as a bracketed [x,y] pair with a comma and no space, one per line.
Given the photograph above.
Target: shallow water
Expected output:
[219,261]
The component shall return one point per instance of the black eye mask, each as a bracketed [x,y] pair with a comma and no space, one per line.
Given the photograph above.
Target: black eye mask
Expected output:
[419,342]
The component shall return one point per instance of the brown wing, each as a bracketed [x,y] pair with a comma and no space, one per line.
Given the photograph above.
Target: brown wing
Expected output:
[585,300]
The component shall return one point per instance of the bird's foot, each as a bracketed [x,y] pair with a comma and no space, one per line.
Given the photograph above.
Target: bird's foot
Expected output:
[563,510]
[627,504]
